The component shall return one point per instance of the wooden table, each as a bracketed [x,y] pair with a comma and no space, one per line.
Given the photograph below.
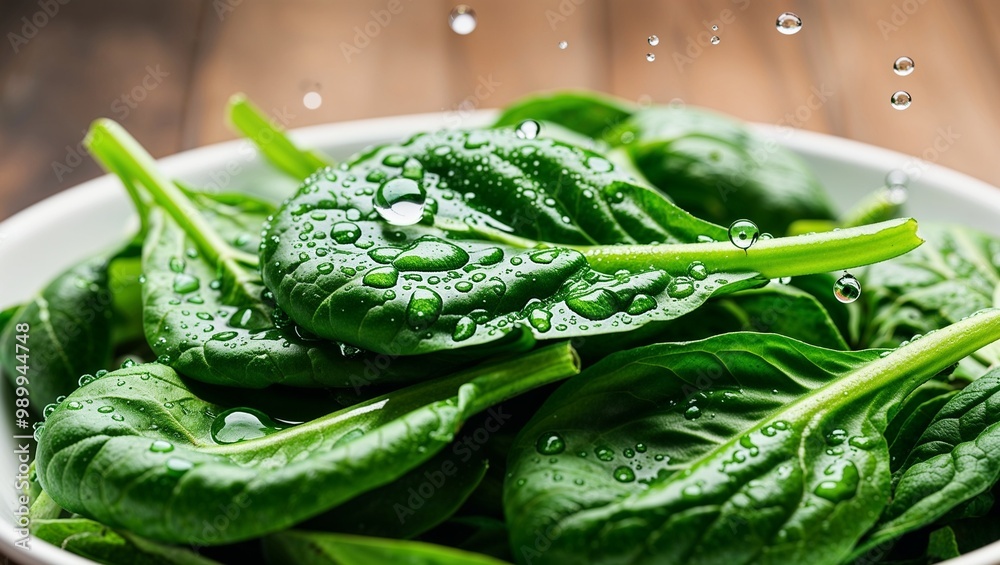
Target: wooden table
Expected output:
[165,69]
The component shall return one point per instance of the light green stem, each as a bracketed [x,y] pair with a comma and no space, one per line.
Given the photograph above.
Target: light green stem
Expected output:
[272,141]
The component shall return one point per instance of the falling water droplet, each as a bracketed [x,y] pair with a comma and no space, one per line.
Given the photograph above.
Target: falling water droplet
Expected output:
[312,100]
[903,66]
[563,44]
[901,100]
[847,289]
[650,57]
[743,233]
[653,40]
[528,129]
[788,23]
[715,28]
[400,201]
[715,40]
[462,19]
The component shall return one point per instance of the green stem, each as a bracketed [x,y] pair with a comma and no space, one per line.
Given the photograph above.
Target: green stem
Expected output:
[522,373]
[773,258]
[272,141]
[121,154]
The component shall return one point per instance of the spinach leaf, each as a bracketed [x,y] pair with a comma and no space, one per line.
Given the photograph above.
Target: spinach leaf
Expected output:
[93,540]
[519,239]
[710,165]
[956,459]
[139,450]
[276,147]
[311,548]
[956,274]
[913,417]
[736,449]
[70,326]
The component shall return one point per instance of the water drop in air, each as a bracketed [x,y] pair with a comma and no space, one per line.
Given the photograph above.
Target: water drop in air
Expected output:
[847,289]
[312,100]
[650,57]
[400,201]
[563,44]
[901,100]
[462,19]
[903,66]
[896,183]
[715,40]
[715,28]
[653,40]
[743,233]
[528,129]
[788,23]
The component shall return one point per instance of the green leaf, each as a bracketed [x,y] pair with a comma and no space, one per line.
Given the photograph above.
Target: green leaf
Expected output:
[92,540]
[736,449]
[272,141]
[956,459]
[69,326]
[311,548]
[942,545]
[587,113]
[140,450]
[914,415]
[519,239]
[956,274]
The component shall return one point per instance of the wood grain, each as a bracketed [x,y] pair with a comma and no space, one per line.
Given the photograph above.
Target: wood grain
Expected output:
[385,57]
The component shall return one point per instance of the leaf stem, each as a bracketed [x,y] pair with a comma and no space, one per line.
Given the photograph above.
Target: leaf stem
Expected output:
[250,121]
[772,258]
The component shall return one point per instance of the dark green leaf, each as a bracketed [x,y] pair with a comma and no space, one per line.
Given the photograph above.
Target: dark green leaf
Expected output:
[138,450]
[590,114]
[311,548]
[736,449]
[92,540]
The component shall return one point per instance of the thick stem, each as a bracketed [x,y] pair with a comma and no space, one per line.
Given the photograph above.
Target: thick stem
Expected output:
[773,258]
[272,141]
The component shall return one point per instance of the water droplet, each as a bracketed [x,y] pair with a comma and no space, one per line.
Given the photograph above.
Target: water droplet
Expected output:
[381,277]
[464,329]
[550,443]
[85,380]
[715,28]
[177,264]
[312,100]
[624,474]
[346,232]
[903,66]
[650,57]
[788,23]
[176,466]
[862,442]
[424,308]
[540,319]
[74,405]
[462,19]
[697,270]
[847,289]
[224,336]
[241,424]
[692,413]
[400,201]
[598,304]
[653,40]
[185,283]
[128,363]
[563,44]
[604,453]
[743,233]
[680,287]
[715,40]
[836,437]
[463,286]
[118,417]
[161,446]
[641,303]
[628,452]
[528,129]
[842,486]
[248,318]
[900,100]
[544,257]
[691,492]
[431,254]
[106,409]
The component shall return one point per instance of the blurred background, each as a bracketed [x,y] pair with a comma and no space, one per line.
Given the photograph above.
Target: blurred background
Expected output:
[166,69]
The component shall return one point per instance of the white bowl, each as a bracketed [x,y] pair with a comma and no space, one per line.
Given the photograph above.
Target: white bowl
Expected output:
[41,241]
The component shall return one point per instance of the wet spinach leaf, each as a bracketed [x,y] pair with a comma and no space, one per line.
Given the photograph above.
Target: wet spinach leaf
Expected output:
[313,548]
[93,540]
[736,449]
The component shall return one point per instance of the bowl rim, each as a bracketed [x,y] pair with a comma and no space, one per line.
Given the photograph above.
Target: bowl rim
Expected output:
[105,189]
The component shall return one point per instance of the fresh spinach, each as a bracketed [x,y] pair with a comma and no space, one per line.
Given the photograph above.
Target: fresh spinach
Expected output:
[956,459]
[138,450]
[502,252]
[96,541]
[709,164]
[312,548]
[70,322]
[735,449]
